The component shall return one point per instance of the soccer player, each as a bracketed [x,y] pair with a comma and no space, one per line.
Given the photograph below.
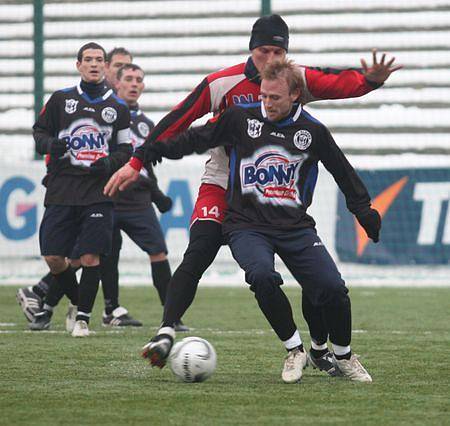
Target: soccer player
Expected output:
[134,213]
[85,131]
[116,59]
[241,83]
[31,298]
[275,147]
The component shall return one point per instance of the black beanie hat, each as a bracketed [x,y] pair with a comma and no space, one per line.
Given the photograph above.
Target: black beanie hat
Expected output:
[270,30]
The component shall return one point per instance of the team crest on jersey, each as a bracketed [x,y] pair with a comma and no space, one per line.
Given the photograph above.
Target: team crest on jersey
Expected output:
[271,174]
[71,106]
[254,128]
[143,128]
[109,114]
[302,139]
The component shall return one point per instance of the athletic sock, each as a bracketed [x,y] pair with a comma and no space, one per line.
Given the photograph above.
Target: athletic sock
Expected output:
[318,353]
[345,356]
[83,316]
[68,281]
[55,291]
[161,276]
[41,288]
[90,278]
[293,342]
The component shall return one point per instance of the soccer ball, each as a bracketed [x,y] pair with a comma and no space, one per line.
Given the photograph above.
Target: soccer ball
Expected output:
[193,359]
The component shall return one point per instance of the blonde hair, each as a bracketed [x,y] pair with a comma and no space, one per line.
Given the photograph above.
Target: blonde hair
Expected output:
[283,69]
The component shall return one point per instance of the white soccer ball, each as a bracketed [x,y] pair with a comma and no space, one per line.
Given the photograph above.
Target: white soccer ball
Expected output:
[193,359]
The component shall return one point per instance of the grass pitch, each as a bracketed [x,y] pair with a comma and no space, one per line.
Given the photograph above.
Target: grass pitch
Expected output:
[402,335]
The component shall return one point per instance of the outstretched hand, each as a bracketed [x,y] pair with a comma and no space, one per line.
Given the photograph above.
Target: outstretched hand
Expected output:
[120,180]
[380,71]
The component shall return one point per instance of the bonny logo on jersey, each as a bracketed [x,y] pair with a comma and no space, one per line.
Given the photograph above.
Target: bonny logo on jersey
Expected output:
[254,128]
[87,141]
[71,106]
[302,139]
[109,114]
[272,175]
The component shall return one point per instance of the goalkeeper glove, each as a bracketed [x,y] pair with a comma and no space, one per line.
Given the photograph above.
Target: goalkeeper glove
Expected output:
[371,222]
[57,147]
[162,202]
[101,167]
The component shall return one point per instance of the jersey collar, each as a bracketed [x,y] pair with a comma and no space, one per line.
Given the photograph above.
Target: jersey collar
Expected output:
[292,118]
[86,97]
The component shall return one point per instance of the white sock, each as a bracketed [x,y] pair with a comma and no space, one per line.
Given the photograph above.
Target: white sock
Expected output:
[341,350]
[293,342]
[317,347]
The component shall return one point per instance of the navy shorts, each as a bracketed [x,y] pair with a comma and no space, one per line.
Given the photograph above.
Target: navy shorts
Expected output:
[90,227]
[143,227]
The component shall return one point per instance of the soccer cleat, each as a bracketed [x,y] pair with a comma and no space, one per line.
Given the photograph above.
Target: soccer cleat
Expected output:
[352,369]
[80,329]
[29,301]
[120,318]
[324,363]
[71,317]
[294,364]
[179,326]
[41,321]
[157,350]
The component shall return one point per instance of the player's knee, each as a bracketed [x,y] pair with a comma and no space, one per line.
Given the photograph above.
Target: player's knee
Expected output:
[89,260]
[160,257]
[57,264]
[263,277]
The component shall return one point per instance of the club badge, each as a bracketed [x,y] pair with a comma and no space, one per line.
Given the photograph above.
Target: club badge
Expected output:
[71,106]
[143,128]
[109,114]
[302,139]
[254,128]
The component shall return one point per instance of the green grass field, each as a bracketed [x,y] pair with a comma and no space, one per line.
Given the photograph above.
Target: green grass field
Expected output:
[402,335]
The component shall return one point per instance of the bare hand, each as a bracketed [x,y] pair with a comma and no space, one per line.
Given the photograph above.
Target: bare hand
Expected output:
[120,180]
[379,71]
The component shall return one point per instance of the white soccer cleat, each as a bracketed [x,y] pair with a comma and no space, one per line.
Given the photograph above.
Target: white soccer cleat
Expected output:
[352,369]
[71,317]
[80,329]
[294,364]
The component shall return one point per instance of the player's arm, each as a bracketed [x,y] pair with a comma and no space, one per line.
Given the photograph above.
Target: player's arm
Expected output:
[45,131]
[196,105]
[333,83]
[161,200]
[118,156]
[219,131]
[356,195]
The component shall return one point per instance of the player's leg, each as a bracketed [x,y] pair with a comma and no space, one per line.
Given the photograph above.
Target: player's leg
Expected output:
[94,240]
[254,253]
[57,235]
[114,314]
[109,265]
[312,266]
[205,240]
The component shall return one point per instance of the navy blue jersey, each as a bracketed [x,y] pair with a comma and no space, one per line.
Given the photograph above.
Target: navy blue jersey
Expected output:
[139,194]
[273,166]
[92,129]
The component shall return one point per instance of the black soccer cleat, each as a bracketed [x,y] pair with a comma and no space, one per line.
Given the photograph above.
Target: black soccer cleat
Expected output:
[324,363]
[29,302]
[157,350]
[41,321]
[120,318]
[180,326]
